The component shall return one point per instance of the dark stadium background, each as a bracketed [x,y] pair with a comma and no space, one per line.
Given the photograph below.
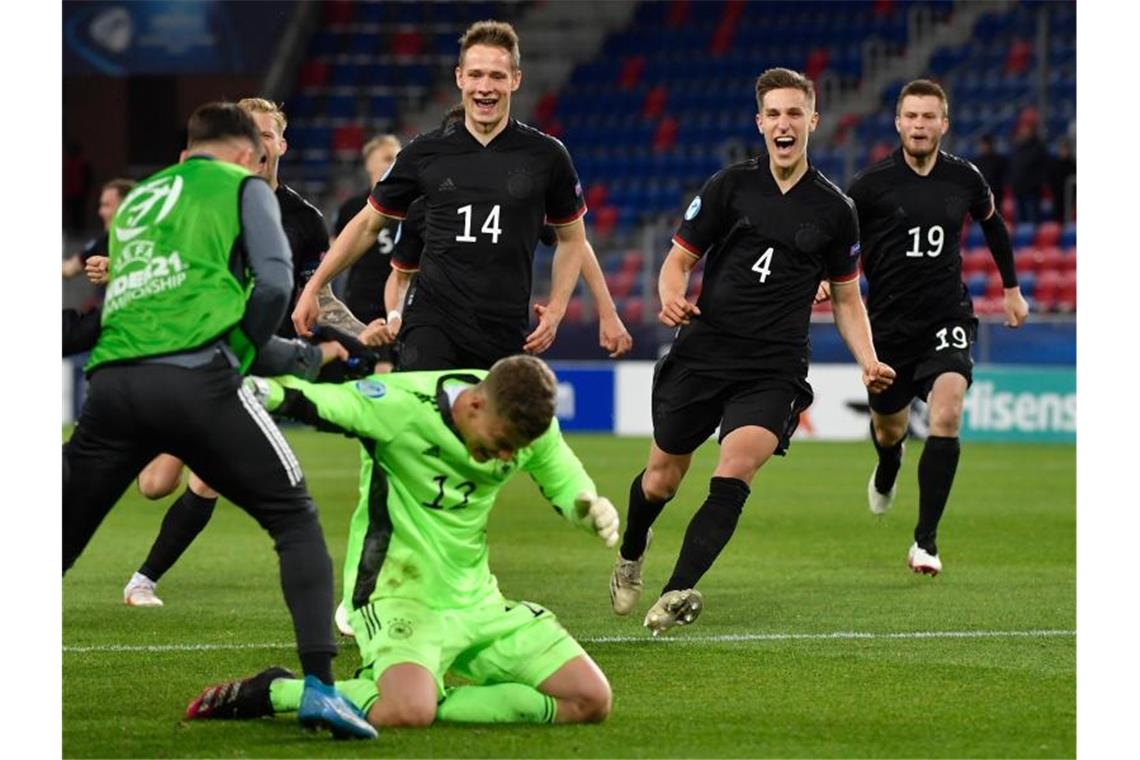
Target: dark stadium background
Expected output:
[649,97]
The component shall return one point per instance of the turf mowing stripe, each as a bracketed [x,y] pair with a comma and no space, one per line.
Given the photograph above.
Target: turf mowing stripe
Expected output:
[724,638]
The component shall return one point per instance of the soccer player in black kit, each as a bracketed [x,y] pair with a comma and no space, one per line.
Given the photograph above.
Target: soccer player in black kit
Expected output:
[772,229]
[911,208]
[189,514]
[488,185]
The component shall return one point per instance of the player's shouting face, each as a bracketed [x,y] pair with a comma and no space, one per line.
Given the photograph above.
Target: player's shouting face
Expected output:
[486,77]
[273,145]
[787,116]
[921,122]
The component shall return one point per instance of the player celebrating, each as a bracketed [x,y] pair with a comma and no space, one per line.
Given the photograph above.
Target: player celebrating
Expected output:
[772,229]
[911,208]
[488,185]
[180,326]
[422,596]
[305,230]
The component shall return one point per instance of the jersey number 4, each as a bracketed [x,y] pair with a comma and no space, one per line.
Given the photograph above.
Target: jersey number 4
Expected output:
[763,265]
[935,237]
[490,225]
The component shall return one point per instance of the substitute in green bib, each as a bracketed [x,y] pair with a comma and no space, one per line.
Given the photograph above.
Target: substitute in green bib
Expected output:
[437,448]
[200,276]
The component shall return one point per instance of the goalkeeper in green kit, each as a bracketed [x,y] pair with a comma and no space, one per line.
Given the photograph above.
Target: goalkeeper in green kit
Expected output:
[437,447]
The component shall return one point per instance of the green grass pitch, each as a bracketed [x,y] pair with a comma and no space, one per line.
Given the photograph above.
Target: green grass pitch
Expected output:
[757,675]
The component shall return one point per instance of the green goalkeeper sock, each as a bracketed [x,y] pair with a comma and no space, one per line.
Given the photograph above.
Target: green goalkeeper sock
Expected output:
[501,703]
[285,693]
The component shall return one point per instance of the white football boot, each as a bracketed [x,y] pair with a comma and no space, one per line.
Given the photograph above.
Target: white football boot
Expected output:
[625,582]
[674,608]
[918,560]
[139,592]
[880,503]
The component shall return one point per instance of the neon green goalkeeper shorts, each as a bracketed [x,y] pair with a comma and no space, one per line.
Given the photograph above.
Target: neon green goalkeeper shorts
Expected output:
[496,642]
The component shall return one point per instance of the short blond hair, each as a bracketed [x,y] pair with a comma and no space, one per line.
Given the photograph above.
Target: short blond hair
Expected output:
[523,393]
[261,105]
[498,34]
[377,142]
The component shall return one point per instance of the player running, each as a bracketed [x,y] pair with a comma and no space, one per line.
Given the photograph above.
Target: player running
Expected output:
[772,230]
[911,208]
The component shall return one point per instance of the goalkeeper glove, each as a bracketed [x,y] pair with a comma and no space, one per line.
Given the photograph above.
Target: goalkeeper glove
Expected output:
[597,514]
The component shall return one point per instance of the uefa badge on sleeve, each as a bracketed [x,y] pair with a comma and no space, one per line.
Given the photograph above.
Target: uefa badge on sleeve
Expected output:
[371,388]
[693,209]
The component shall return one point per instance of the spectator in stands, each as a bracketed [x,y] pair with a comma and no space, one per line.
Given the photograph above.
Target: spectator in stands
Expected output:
[1028,171]
[1061,169]
[110,197]
[994,167]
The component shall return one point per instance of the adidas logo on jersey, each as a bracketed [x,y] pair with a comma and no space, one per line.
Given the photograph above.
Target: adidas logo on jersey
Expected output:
[446,186]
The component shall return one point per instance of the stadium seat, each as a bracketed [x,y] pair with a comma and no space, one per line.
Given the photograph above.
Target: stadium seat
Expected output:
[633,311]
[574,310]
[1069,235]
[1023,234]
[1048,234]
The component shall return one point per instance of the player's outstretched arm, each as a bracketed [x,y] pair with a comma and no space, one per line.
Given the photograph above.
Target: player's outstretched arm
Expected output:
[672,284]
[568,257]
[356,238]
[331,407]
[334,313]
[612,334]
[852,323]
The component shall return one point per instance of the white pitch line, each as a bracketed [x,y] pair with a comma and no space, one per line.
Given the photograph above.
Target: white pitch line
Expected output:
[677,639]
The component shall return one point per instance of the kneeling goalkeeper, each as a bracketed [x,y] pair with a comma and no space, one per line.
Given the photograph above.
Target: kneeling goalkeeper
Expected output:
[437,448]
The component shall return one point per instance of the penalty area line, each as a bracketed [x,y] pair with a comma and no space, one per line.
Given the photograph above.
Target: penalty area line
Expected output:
[680,638]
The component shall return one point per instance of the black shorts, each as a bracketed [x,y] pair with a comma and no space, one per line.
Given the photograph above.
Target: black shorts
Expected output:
[426,347]
[688,405]
[916,368]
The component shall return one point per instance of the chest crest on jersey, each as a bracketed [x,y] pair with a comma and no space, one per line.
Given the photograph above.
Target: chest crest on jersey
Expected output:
[520,184]
[810,238]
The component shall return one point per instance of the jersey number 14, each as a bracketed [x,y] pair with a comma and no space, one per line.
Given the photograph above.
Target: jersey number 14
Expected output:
[490,225]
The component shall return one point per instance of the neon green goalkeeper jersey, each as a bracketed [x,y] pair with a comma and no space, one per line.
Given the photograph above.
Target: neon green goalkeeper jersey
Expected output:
[420,528]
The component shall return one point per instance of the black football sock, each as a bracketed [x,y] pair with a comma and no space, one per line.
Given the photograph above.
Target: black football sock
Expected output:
[708,532]
[183,522]
[317,664]
[639,519]
[936,468]
[890,459]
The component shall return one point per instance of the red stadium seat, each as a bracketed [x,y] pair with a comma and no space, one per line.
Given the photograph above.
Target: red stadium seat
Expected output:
[1068,260]
[632,261]
[1025,260]
[633,311]
[337,12]
[994,287]
[666,135]
[1048,260]
[1048,234]
[678,13]
[631,72]
[1067,292]
[654,104]
[595,196]
[407,42]
[976,260]
[1048,283]
[313,74]
[604,219]
[347,141]
[574,310]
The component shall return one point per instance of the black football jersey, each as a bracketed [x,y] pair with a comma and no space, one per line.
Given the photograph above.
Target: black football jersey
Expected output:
[308,240]
[364,291]
[911,234]
[484,207]
[766,252]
